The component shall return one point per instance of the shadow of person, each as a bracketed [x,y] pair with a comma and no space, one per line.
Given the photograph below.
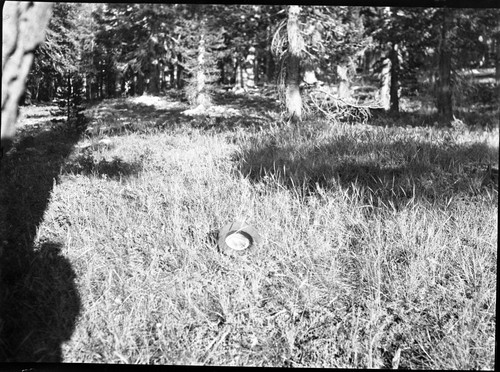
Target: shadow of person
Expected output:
[40,305]
[39,300]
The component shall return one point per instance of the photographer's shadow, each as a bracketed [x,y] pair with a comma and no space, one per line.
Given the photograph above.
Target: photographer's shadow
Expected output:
[40,307]
[39,299]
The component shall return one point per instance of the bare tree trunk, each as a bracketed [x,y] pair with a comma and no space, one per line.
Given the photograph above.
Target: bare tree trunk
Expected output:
[110,81]
[249,69]
[385,90]
[23,28]
[241,76]
[37,89]
[202,98]
[344,89]
[133,85]
[140,83]
[394,57]
[269,67]
[100,80]
[497,64]
[68,97]
[309,74]
[172,69]
[238,73]
[222,73]
[162,77]
[444,98]
[295,46]
[178,75]
[268,58]
[154,79]
[256,75]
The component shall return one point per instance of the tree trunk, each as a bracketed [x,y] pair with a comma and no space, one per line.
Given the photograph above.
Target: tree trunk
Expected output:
[133,86]
[295,45]
[270,67]
[249,68]
[394,57]
[122,86]
[140,83]
[222,73]
[385,90]
[179,72]
[68,97]
[256,74]
[23,28]
[497,64]
[444,98]
[100,81]
[309,74]
[37,89]
[161,77]
[198,93]
[50,91]
[238,74]
[91,90]
[268,58]
[172,69]
[154,79]
[344,89]
[110,81]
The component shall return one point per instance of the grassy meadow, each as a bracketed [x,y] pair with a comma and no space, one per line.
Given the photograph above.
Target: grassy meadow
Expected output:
[379,240]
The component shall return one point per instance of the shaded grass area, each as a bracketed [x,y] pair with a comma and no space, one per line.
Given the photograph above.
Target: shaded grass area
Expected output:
[477,117]
[379,244]
[393,164]
[150,115]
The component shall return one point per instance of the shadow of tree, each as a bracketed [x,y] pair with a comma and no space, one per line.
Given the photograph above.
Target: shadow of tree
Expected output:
[116,117]
[483,117]
[255,102]
[386,172]
[39,301]
[85,164]
[120,116]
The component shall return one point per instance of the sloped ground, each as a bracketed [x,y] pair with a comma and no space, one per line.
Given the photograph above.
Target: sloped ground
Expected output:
[379,244]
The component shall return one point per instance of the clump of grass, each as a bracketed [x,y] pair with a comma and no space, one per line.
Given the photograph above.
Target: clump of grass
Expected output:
[379,249]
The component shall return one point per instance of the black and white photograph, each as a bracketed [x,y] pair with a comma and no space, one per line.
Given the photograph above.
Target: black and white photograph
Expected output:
[249,185]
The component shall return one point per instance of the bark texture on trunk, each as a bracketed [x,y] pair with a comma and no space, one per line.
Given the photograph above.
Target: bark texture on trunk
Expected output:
[295,45]
[23,28]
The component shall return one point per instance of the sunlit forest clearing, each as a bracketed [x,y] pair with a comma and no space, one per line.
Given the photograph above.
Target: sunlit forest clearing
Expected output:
[379,227]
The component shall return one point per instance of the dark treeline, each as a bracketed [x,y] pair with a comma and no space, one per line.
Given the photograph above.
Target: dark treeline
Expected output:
[98,51]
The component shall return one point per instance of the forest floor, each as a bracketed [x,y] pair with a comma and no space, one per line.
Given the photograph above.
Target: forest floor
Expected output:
[379,240]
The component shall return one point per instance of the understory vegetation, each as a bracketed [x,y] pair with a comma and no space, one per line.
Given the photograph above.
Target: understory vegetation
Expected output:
[379,240]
